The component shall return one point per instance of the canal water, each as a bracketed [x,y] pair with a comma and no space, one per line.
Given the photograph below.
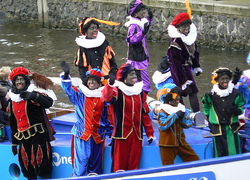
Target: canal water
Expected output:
[42,49]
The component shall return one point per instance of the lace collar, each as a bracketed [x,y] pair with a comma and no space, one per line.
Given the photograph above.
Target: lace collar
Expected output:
[16,97]
[90,43]
[129,90]
[139,22]
[223,92]
[189,39]
[91,93]
[172,109]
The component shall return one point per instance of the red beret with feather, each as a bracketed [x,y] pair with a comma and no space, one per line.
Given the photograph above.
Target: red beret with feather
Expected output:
[181,18]
[18,71]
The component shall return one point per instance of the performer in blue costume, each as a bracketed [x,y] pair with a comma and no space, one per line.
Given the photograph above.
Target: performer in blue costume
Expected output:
[138,27]
[243,86]
[162,76]
[92,124]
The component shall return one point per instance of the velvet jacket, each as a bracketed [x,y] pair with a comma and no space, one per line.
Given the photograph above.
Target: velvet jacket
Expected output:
[130,110]
[97,55]
[171,126]
[91,112]
[26,116]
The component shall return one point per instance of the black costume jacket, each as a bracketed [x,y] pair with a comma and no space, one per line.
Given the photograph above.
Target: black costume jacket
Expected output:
[27,118]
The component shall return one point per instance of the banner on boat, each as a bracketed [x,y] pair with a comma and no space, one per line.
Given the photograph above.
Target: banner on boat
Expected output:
[193,176]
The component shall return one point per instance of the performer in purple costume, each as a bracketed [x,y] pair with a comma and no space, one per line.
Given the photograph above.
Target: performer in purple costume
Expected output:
[184,57]
[138,27]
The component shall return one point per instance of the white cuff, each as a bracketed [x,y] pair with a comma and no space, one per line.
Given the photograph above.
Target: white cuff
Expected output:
[184,86]
[64,80]
[196,70]
[152,137]
[110,84]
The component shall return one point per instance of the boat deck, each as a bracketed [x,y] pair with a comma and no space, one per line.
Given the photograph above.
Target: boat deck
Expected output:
[199,140]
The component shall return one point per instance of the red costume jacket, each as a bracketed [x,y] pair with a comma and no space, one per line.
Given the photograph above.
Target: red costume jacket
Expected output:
[26,117]
[130,112]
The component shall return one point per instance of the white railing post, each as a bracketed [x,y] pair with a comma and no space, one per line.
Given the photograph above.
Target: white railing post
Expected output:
[43,12]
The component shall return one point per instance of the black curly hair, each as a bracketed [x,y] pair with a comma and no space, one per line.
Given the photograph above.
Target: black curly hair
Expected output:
[169,96]
[86,26]
[223,71]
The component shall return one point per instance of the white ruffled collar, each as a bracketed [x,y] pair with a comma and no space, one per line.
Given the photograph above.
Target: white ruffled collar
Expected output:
[90,43]
[222,92]
[189,39]
[91,93]
[136,21]
[172,109]
[129,90]
[16,97]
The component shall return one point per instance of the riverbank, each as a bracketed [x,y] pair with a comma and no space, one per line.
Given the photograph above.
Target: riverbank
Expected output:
[221,24]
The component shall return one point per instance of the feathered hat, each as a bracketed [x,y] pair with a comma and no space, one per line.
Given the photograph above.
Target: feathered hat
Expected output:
[95,73]
[165,91]
[180,19]
[18,71]
[86,20]
[123,71]
[134,6]
[217,73]
[183,18]
[39,80]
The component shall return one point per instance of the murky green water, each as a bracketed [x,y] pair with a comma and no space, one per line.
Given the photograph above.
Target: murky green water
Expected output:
[41,49]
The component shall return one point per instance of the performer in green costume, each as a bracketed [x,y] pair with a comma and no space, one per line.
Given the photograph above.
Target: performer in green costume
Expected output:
[222,105]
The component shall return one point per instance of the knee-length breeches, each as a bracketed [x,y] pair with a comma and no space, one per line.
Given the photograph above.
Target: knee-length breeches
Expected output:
[35,156]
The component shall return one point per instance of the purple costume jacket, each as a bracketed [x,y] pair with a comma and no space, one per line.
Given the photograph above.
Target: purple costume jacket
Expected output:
[137,54]
[183,59]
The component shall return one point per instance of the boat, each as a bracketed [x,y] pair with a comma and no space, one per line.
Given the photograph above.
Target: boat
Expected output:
[150,166]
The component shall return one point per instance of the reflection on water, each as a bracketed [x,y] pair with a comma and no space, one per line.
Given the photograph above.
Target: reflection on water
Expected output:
[41,49]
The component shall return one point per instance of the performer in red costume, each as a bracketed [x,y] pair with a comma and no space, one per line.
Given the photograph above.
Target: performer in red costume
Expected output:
[28,125]
[130,111]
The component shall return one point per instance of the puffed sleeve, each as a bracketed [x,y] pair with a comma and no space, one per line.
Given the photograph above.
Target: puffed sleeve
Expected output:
[72,92]
[109,93]
[166,120]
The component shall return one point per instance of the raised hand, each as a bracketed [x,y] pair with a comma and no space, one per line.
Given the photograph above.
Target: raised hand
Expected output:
[112,76]
[150,13]
[65,68]
[146,28]
[237,75]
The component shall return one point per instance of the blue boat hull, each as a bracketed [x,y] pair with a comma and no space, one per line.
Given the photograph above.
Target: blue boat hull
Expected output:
[62,165]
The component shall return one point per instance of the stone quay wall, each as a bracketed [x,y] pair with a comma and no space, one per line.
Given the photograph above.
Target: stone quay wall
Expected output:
[220,26]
